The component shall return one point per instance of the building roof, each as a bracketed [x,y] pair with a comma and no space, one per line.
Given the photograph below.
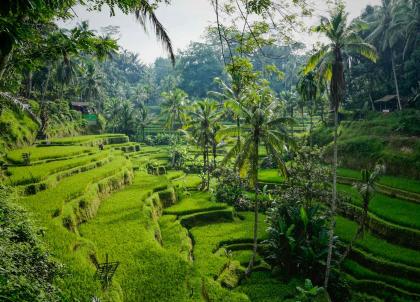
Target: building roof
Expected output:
[81,104]
[386,99]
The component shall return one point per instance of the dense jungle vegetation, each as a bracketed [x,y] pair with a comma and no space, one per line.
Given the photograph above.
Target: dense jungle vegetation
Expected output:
[248,166]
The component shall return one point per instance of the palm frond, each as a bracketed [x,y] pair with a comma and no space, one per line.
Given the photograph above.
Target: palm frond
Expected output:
[315,59]
[365,49]
[145,11]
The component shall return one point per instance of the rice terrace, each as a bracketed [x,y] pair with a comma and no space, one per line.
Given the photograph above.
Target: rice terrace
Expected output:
[243,150]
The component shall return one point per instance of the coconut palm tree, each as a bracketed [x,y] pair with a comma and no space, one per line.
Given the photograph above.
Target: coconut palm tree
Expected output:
[202,118]
[91,86]
[230,96]
[262,126]
[328,62]
[290,100]
[385,35]
[406,21]
[307,87]
[145,118]
[173,107]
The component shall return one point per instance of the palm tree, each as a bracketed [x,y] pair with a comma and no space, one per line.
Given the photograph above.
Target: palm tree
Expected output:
[263,127]
[406,20]
[143,11]
[290,99]
[385,36]
[230,96]
[203,116]
[91,86]
[66,72]
[329,63]
[144,119]
[174,107]
[308,90]
[112,112]
[127,117]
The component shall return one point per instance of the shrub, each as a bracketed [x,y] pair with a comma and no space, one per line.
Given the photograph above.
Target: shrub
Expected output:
[27,272]
[229,188]
[298,239]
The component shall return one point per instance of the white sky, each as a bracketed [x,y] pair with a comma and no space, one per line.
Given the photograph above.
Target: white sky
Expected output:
[185,21]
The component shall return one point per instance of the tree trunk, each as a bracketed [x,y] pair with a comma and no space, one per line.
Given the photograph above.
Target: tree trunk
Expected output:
[256,207]
[44,110]
[238,125]
[4,59]
[371,102]
[396,81]
[333,203]
[214,146]
[310,129]
[361,229]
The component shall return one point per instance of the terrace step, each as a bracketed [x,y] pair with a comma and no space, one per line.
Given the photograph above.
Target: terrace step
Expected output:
[384,189]
[205,218]
[53,180]
[385,267]
[381,289]
[389,231]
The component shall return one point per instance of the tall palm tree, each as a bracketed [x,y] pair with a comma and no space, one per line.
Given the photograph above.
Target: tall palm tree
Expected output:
[112,112]
[203,116]
[230,96]
[145,118]
[174,107]
[329,63]
[91,86]
[386,36]
[406,20]
[308,90]
[290,99]
[261,127]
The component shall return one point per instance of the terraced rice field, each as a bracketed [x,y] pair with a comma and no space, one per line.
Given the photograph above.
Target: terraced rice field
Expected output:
[173,242]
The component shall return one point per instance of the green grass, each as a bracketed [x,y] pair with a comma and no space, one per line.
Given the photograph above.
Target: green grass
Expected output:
[123,229]
[196,202]
[378,248]
[262,287]
[35,173]
[360,272]
[395,210]
[71,250]
[400,183]
[17,129]
[270,176]
[209,237]
[190,181]
[51,152]
[175,237]
[86,139]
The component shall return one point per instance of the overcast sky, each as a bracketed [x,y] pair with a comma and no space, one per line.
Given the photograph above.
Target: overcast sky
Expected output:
[185,21]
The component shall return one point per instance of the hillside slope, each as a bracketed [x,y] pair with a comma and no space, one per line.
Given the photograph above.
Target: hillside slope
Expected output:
[393,138]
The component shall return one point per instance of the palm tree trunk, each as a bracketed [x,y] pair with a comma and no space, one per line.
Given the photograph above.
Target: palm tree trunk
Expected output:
[310,129]
[238,126]
[371,102]
[4,59]
[256,207]
[396,81]
[214,154]
[360,229]
[333,203]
